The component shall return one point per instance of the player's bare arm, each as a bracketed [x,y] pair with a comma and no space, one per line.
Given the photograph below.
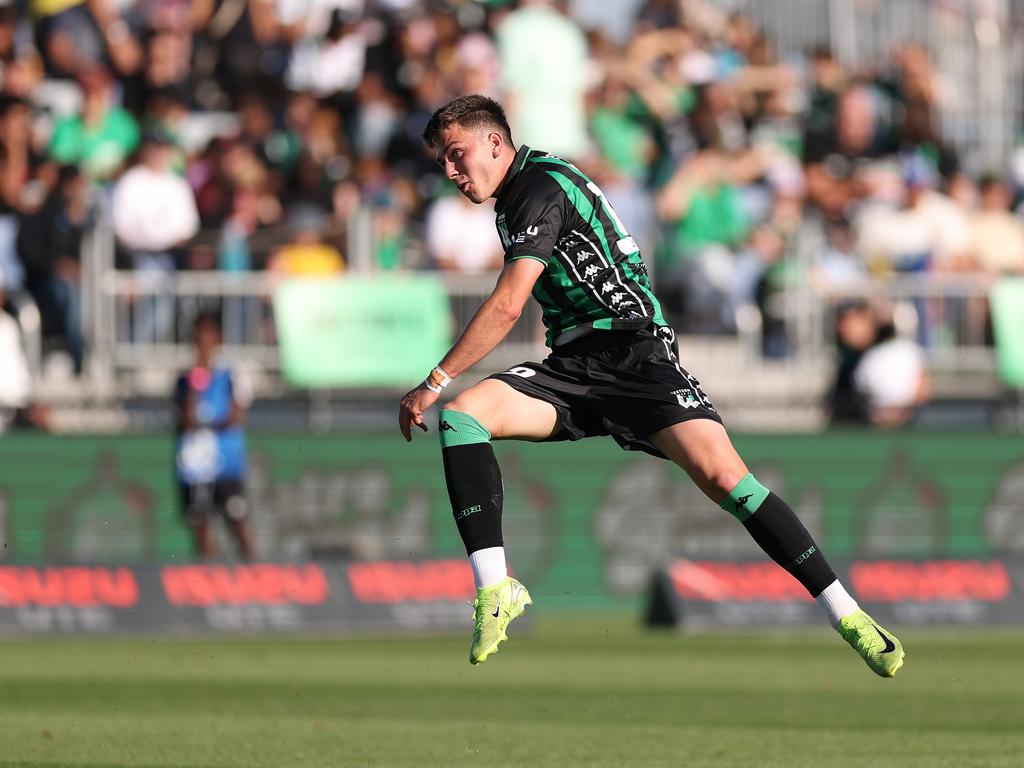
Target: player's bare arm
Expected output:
[491,323]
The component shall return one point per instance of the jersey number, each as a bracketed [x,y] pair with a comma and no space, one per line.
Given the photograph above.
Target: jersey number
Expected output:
[522,370]
[608,208]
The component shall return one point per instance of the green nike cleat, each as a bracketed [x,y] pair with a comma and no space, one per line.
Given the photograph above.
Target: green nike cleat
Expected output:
[495,608]
[878,647]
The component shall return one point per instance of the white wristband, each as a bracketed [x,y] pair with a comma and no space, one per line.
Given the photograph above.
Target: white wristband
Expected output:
[437,380]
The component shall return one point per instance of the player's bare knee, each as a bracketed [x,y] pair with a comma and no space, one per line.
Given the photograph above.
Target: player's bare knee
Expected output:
[473,404]
[723,468]
[723,482]
[720,480]
[466,405]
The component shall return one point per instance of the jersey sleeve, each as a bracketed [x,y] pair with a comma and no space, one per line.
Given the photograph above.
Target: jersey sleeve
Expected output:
[534,220]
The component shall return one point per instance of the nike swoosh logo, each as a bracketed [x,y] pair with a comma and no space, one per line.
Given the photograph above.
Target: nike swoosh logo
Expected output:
[497,610]
[889,645]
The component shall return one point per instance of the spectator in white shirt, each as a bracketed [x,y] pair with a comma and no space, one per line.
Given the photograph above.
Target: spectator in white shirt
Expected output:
[891,375]
[154,212]
[461,236]
[16,406]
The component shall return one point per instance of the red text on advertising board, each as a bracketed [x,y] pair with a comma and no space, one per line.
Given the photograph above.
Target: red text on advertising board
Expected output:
[889,581]
[203,585]
[397,582]
[76,586]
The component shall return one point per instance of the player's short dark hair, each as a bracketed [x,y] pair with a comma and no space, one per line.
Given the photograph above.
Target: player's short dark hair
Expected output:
[469,112]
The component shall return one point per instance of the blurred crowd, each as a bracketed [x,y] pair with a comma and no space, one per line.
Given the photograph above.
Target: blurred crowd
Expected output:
[238,135]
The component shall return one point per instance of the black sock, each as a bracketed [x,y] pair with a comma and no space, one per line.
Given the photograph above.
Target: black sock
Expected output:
[779,532]
[474,487]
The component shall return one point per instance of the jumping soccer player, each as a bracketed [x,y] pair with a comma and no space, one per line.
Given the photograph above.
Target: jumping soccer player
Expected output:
[613,370]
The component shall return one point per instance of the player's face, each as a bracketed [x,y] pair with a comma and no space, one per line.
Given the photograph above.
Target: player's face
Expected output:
[207,340]
[470,158]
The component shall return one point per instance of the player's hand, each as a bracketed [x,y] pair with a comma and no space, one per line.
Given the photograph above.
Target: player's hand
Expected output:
[411,409]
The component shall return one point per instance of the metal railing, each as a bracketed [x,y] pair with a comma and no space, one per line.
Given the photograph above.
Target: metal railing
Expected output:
[244,301]
[948,315]
[128,357]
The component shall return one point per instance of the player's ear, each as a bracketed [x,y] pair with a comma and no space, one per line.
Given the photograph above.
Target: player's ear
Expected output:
[497,141]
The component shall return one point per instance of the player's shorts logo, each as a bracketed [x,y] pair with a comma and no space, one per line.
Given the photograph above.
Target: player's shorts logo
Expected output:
[687,398]
[444,426]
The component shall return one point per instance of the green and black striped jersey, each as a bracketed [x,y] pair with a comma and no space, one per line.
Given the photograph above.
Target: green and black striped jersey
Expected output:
[595,279]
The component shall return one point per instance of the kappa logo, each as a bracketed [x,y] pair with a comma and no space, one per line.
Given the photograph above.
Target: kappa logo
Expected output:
[590,271]
[741,502]
[444,426]
[607,288]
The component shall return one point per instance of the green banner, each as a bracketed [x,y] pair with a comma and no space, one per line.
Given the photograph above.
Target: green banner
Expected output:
[361,331]
[585,523]
[1007,302]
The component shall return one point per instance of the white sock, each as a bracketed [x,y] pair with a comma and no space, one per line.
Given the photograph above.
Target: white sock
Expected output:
[836,602]
[488,566]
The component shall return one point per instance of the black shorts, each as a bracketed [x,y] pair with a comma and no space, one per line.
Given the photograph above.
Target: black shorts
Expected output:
[627,384]
[224,497]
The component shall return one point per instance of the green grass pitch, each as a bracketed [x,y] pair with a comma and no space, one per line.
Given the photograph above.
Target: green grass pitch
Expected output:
[573,692]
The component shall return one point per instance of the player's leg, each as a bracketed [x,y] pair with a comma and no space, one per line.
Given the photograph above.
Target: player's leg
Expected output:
[242,534]
[703,448]
[489,410]
[196,503]
[234,506]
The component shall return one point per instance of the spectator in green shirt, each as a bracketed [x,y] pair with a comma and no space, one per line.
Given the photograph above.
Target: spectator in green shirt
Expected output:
[102,137]
[707,222]
[619,123]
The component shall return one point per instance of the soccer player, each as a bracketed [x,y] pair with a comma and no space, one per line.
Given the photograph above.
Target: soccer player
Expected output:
[613,370]
[210,457]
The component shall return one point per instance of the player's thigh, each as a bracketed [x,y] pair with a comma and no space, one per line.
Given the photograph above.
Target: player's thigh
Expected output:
[507,413]
[702,447]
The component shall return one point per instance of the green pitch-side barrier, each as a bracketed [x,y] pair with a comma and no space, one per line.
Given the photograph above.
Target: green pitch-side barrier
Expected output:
[361,331]
[585,523]
[1007,302]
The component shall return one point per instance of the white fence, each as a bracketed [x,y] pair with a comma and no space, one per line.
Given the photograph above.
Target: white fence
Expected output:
[948,314]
